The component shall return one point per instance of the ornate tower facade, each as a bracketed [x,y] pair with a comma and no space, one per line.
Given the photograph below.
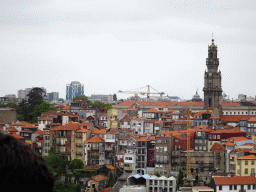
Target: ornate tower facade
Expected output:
[212,79]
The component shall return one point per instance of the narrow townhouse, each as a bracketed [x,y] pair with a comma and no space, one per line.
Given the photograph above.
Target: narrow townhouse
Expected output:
[130,156]
[163,151]
[125,122]
[94,151]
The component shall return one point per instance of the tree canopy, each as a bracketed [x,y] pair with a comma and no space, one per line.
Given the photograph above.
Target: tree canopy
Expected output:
[81,97]
[77,164]
[43,107]
[99,103]
[29,109]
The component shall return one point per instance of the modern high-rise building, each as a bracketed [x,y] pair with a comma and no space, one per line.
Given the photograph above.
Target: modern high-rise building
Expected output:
[53,96]
[73,89]
[212,79]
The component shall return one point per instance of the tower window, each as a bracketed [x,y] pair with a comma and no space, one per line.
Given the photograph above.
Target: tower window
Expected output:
[210,54]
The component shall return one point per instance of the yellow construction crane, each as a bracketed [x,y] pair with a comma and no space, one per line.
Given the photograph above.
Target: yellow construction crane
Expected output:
[188,143]
[143,93]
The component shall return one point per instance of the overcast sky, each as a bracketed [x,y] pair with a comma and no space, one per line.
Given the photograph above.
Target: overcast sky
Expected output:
[111,45]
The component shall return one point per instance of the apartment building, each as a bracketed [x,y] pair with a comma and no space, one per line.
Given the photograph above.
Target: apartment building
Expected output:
[163,151]
[246,165]
[94,151]
[130,155]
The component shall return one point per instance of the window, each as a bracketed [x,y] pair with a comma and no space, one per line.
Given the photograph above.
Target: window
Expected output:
[218,136]
[220,188]
[196,141]
[165,148]
[246,162]
[214,136]
[230,187]
[249,187]
[254,186]
[245,171]
[235,187]
[204,148]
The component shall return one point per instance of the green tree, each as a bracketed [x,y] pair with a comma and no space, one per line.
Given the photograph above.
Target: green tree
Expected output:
[111,181]
[158,175]
[35,97]
[99,103]
[56,164]
[180,179]
[81,97]
[77,164]
[43,107]
[24,109]
[95,190]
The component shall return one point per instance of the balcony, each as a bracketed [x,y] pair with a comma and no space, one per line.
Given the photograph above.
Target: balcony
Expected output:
[79,145]
[128,168]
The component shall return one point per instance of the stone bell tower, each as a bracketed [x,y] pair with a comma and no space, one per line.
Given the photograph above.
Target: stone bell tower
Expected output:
[212,79]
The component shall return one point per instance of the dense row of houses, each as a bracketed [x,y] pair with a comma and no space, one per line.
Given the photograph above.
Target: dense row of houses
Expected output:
[148,141]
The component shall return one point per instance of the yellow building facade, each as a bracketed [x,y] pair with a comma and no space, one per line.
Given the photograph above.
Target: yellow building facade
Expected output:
[112,116]
[246,165]
[254,138]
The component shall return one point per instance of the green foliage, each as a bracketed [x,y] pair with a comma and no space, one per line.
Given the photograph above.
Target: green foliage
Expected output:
[51,150]
[157,174]
[81,97]
[98,103]
[84,170]
[43,107]
[95,190]
[20,117]
[180,179]
[26,107]
[67,187]
[111,181]
[77,164]
[56,163]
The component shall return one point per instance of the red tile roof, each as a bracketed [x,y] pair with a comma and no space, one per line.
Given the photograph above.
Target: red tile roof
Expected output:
[126,118]
[234,118]
[217,147]
[110,167]
[237,180]
[247,157]
[16,136]
[106,189]
[230,104]
[113,131]
[66,107]
[229,144]
[95,139]
[239,138]
[240,150]
[96,131]
[44,119]
[125,138]
[11,129]
[99,178]
[214,117]
[249,144]
[159,122]
[180,123]
[82,130]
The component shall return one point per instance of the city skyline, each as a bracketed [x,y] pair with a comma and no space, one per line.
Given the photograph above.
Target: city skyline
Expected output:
[122,46]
